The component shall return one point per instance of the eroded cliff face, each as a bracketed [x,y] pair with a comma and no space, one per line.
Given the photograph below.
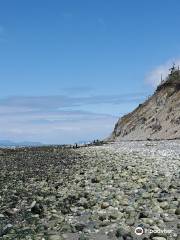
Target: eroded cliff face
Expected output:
[157,118]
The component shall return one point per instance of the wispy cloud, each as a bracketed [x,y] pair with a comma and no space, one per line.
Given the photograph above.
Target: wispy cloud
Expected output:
[56,126]
[62,101]
[154,77]
[57,119]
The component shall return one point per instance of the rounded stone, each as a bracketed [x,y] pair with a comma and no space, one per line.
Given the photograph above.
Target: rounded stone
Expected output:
[158,238]
[55,237]
[105,205]
[177,212]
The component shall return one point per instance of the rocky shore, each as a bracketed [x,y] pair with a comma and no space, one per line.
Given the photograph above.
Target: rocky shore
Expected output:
[98,192]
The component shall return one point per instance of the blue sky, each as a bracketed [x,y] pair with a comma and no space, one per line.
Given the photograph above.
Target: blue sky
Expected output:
[69,69]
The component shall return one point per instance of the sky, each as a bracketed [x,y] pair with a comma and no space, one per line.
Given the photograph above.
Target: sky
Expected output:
[69,69]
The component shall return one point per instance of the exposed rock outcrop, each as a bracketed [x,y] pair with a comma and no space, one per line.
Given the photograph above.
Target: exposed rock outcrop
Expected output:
[157,118]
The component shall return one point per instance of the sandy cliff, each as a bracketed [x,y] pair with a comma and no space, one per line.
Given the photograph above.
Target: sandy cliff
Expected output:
[157,118]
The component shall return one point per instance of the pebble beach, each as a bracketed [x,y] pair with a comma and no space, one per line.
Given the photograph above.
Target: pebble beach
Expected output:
[94,192]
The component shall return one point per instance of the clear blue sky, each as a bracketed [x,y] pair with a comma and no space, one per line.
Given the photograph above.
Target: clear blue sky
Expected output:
[70,68]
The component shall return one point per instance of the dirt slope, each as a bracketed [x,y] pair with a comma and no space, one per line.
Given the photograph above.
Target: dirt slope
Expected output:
[157,118]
